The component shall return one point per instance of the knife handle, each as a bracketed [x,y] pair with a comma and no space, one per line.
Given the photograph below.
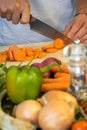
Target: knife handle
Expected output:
[32,19]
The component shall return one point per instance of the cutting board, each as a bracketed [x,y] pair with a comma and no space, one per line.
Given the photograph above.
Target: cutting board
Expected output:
[59,54]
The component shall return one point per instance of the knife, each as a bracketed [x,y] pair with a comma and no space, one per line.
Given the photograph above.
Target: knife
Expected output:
[46,30]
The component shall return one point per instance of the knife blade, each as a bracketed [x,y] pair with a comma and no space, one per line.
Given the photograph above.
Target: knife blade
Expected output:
[46,30]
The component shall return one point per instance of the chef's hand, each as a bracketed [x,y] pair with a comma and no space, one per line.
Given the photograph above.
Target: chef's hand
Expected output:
[77,28]
[15,10]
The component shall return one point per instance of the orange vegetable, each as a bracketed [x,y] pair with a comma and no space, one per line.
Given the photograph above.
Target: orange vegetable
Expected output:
[60,75]
[44,48]
[24,49]
[38,50]
[27,58]
[19,55]
[55,86]
[80,125]
[58,43]
[41,55]
[29,53]
[53,80]
[3,57]
[51,50]
[10,55]
[64,68]
[13,47]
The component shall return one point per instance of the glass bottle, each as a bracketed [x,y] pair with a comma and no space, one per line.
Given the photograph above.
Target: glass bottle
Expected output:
[76,54]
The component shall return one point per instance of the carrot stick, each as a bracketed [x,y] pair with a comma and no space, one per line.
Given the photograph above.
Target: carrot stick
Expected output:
[54,86]
[57,69]
[60,75]
[62,79]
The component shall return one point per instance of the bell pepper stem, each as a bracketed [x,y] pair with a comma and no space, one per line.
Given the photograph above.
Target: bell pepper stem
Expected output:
[20,64]
[3,67]
[48,67]
[28,65]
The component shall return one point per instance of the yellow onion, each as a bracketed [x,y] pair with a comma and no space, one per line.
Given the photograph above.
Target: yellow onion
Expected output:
[56,115]
[59,95]
[28,110]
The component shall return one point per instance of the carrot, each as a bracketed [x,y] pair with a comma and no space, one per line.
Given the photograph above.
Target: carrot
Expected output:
[44,48]
[24,49]
[13,47]
[64,69]
[10,55]
[54,86]
[53,80]
[27,58]
[5,52]
[60,75]
[3,57]
[58,43]
[19,55]
[38,50]
[51,50]
[41,55]
[29,53]
[29,49]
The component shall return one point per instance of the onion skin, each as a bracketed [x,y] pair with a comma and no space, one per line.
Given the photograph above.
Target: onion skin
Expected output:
[58,95]
[50,60]
[56,115]
[28,110]
[38,65]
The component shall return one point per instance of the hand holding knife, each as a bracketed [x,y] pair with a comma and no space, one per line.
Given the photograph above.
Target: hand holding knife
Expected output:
[46,30]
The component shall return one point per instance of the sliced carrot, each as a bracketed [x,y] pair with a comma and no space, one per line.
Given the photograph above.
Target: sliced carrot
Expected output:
[5,52]
[44,48]
[64,68]
[24,49]
[54,86]
[27,58]
[38,50]
[29,53]
[14,47]
[3,57]
[51,50]
[60,75]
[29,49]
[10,55]
[58,43]
[41,55]
[19,55]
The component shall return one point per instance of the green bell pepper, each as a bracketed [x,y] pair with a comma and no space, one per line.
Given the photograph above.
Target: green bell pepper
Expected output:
[23,83]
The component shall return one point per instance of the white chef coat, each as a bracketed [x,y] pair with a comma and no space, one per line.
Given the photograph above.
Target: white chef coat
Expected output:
[56,13]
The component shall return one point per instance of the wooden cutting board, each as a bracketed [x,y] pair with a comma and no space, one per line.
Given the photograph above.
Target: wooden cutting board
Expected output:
[59,54]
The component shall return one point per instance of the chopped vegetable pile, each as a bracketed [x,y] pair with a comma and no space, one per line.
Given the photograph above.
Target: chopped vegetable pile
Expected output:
[16,53]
